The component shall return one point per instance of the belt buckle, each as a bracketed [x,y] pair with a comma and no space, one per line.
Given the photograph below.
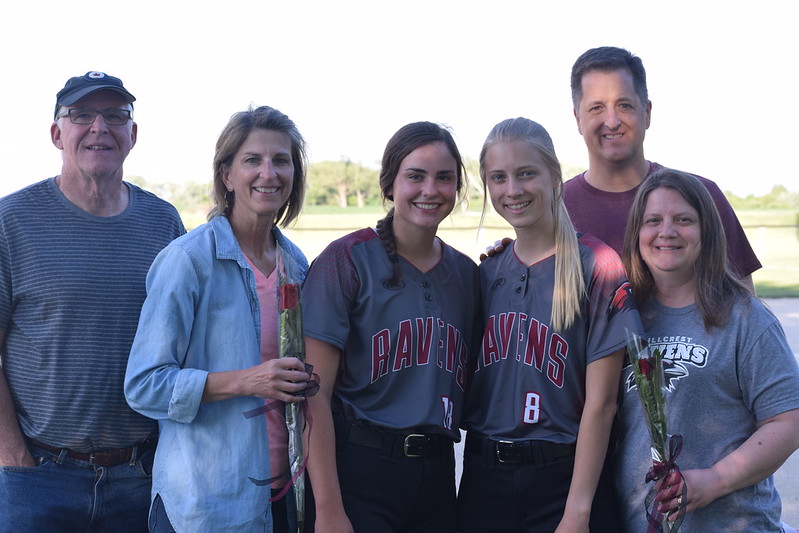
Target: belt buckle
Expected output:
[110,457]
[502,455]
[406,443]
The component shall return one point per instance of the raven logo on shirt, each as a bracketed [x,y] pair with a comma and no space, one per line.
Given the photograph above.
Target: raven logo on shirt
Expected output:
[622,300]
[678,354]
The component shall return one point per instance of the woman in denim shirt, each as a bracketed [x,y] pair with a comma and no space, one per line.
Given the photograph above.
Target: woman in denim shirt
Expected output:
[204,361]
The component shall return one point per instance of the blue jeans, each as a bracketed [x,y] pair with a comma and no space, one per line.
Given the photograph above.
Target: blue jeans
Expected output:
[159,521]
[61,494]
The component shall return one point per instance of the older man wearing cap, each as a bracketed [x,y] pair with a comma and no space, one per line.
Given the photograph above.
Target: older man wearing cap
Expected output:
[74,253]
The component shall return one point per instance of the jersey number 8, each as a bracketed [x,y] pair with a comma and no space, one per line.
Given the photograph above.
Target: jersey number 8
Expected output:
[532,407]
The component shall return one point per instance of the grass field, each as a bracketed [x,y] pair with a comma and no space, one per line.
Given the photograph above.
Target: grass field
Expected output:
[774,235]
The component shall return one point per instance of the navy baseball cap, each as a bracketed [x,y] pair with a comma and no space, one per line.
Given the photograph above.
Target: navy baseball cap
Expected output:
[80,86]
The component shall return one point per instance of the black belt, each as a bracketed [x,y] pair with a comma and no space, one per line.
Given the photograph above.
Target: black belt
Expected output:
[99,458]
[393,444]
[517,452]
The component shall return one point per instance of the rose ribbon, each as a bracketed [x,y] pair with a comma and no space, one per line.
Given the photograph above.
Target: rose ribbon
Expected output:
[658,471]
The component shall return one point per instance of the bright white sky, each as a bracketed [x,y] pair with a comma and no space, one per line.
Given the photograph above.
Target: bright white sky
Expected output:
[722,79]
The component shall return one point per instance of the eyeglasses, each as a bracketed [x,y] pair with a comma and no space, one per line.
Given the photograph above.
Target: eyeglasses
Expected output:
[112,116]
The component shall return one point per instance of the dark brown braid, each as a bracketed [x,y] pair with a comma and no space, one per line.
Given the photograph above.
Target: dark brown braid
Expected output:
[385,230]
[407,139]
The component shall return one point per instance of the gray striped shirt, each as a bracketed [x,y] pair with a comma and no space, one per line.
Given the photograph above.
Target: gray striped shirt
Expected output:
[71,289]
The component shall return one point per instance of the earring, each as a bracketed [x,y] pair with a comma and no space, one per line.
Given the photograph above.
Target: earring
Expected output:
[228,200]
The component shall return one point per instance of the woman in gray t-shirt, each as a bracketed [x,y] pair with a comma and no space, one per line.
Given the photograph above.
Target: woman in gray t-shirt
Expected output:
[731,380]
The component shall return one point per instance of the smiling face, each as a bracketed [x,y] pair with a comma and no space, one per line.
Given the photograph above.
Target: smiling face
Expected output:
[425,188]
[670,237]
[611,117]
[520,184]
[94,150]
[261,175]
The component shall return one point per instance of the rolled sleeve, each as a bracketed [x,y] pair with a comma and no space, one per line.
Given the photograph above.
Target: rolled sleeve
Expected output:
[156,383]
[187,395]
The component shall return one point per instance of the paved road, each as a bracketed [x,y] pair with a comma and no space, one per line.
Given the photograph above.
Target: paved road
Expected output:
[787,477]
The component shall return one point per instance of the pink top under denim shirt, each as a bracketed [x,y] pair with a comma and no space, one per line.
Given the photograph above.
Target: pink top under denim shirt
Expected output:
[266,287]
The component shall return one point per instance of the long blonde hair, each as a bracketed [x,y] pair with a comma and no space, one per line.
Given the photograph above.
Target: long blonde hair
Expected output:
[569,285]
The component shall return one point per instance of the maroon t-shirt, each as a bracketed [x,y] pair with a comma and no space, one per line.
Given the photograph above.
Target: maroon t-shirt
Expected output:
[604,215]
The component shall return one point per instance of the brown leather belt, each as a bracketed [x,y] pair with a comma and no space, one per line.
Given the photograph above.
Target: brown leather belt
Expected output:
[100,458]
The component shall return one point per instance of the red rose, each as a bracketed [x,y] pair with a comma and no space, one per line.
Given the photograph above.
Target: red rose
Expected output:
[646,368]
[289,296]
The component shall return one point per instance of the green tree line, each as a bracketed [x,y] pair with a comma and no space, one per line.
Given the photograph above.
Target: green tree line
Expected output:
[778,198]
[346,183]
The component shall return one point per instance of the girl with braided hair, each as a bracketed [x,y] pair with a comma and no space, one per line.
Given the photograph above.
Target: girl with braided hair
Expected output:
[389,316]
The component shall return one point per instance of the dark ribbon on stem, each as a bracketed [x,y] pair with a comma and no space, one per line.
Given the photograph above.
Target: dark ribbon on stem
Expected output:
[658,471]
[306,412]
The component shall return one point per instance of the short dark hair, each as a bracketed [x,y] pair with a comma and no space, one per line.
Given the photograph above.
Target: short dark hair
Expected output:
[234,135]
[608,59]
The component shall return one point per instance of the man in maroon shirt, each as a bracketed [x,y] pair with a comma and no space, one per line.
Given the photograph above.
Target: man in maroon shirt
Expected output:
[613,112]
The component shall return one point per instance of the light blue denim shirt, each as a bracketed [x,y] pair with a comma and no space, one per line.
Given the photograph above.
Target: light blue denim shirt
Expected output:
[202,315]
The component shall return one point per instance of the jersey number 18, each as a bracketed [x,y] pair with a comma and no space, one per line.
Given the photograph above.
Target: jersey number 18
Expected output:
[447,404]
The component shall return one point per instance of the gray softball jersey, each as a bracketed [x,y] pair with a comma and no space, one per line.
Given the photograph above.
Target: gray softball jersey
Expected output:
[405,350]
[529,381]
